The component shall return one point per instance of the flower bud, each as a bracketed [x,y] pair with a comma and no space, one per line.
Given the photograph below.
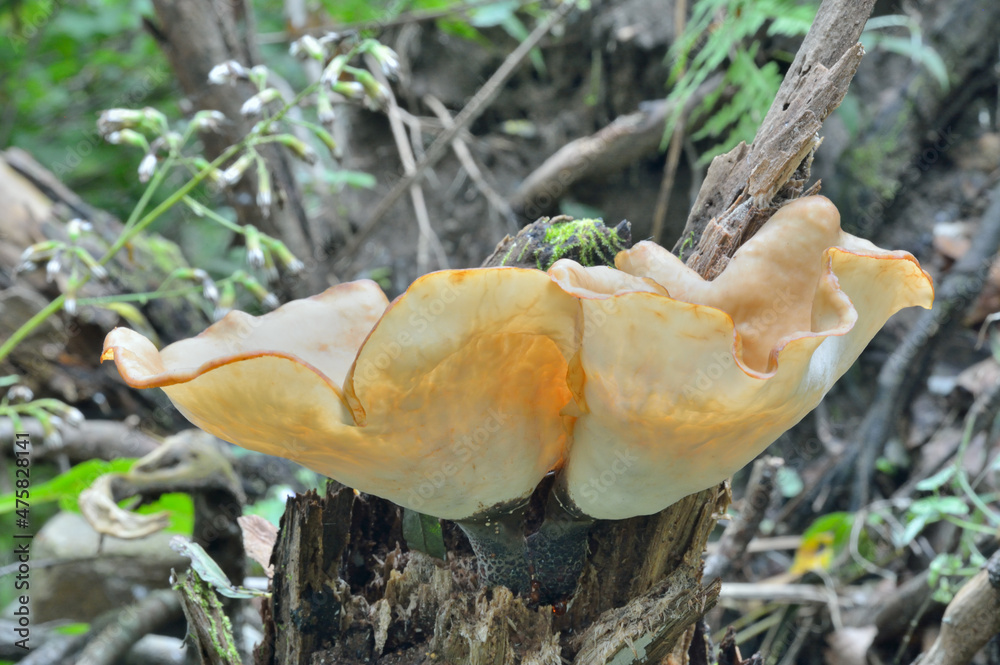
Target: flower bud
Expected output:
[228,72]
[113,120]
[226,300]
[299,147]
[127,137]
[208,120]
[147,167]
[52,268]
[20,393]
[308,47]
[234,173]
[255,253]
[263,187]
[324,109]
[258,75]
[255,104]
[284,255]
[386,58]
[75,227]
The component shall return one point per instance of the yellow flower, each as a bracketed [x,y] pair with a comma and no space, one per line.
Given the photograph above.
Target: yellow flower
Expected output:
[639,385]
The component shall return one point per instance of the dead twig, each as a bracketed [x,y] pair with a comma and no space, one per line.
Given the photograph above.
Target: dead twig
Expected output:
[469,164]
[91,439]
[744,187]
[114,638]
[427,236]
[623,142]
[676,141]
[472,110]
[737,536]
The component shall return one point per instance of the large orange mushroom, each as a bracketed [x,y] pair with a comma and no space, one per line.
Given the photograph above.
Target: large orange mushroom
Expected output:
[638,384]
[687,383]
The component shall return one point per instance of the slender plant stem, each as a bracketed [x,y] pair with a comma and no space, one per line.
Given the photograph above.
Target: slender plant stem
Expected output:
[137,223]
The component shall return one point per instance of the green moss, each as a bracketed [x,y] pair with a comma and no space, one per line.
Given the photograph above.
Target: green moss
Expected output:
[586,240]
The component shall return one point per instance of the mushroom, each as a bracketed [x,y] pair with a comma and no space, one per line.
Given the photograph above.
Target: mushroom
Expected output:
[637,385]
[688,380]
[449,401]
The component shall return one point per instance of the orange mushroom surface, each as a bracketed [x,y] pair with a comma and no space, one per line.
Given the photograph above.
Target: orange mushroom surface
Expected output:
[449,405]
[641,384]
[683,390]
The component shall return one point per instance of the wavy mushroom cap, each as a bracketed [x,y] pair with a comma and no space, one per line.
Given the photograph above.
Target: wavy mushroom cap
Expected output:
[644,384]
[448,401]
[684,389]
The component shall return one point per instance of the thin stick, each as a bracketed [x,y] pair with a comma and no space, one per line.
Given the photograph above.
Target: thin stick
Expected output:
[676,142]
[491,195]
[427,235]
[473,110]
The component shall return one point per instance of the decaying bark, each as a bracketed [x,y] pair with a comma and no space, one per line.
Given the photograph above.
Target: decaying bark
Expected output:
[744,187]
[640,594]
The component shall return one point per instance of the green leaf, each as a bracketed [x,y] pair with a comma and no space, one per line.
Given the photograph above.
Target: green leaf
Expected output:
[181,509]
[492,15]
[789,482]
[209,571]
[936,481]
[423,533]
[66,487]
[356,179]
[939,505]
[912,530]
[72,629]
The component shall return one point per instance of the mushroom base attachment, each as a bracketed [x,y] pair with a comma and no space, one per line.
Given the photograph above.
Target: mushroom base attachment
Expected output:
[544,565]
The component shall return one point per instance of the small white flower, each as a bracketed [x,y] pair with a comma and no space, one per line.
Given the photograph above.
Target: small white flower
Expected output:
[228,72]
[74,416]
[211,120]
[147,167]
[270,301]
[20,393]
[308,47]
[252,106]
[52,268]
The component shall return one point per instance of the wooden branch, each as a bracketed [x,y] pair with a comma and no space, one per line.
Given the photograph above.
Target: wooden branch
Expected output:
[473,110]
[972,618]
[114,635]
[626,140]
[92,439]
[744,187]
[737,536]
[210,633]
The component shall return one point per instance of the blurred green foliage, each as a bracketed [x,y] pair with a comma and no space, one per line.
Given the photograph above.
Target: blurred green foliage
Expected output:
[63,63]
